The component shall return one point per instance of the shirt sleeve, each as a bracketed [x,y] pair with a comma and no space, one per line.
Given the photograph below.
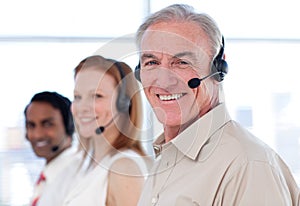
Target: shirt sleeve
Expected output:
[257,183]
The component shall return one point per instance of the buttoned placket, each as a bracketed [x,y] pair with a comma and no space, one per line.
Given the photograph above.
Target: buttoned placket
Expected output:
[168,156]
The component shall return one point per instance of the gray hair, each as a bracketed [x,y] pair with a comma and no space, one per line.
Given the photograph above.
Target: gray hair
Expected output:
[183,12]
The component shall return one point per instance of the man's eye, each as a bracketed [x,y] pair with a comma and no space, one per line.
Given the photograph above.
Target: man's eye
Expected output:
[29,126]
[77,97]
[48,124]
[181,63]
[151,63]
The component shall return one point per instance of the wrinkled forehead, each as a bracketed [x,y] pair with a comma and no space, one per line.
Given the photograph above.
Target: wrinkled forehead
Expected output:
[165,42]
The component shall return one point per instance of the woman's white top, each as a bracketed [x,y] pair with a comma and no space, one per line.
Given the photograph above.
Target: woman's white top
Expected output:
[92,188]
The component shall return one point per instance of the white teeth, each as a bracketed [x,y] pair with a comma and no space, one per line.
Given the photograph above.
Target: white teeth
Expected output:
[170,97]
[86,119]
[41,143]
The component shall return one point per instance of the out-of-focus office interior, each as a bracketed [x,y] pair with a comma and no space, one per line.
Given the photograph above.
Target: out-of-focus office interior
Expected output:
[42,41]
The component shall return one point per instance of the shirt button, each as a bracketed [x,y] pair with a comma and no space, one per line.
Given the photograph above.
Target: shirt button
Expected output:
[154,200]
[157,150]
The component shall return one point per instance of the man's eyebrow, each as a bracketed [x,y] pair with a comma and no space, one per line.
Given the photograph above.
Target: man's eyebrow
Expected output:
[178,55]
[29,122]
[148,56]
[185,53]
[46,120]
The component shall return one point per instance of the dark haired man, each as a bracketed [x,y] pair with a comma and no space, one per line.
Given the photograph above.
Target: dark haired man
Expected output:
[49,129]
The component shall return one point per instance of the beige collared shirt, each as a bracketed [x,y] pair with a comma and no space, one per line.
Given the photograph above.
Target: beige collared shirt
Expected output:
[217,162]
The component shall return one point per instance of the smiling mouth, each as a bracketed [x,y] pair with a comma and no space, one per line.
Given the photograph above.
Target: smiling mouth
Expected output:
[86,120]
[170,97]
[41,143]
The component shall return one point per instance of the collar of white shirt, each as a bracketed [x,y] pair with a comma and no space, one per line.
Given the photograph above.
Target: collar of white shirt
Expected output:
[57,164]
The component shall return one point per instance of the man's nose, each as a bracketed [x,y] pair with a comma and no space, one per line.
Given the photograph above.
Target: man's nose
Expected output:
[166,77]
[36,133]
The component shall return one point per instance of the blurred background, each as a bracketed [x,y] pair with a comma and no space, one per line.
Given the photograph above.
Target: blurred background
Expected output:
[41,41]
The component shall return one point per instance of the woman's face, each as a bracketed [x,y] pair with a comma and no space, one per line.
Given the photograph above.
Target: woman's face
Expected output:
[94,100]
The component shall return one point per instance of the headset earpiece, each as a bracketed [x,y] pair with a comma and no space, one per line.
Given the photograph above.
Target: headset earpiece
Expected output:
[137,72]
[123,100]
[221,67]
[219,64]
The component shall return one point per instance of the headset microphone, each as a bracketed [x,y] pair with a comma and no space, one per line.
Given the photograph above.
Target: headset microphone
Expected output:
[101,129]
[195,82]
[55,148]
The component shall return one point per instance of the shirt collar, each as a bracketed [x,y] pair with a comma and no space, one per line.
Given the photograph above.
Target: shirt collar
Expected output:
[54,167]
[192,139]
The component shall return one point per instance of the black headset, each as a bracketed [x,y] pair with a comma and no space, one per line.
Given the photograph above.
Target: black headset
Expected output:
[219,65]
[123,100]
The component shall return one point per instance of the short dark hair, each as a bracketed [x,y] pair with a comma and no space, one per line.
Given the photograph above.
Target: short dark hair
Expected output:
[63,104]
